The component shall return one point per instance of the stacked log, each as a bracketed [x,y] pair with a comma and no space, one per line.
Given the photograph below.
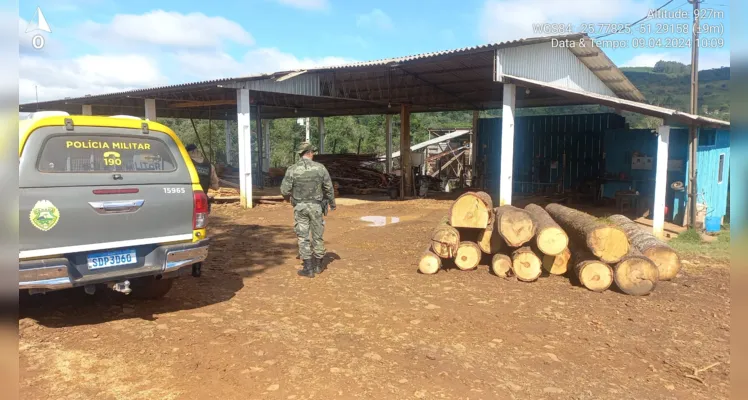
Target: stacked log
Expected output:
[515,225]
[663,256]
[606,242]
[532,242]
[471,210]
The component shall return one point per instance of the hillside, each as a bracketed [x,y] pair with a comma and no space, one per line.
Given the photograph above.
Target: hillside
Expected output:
[669,85]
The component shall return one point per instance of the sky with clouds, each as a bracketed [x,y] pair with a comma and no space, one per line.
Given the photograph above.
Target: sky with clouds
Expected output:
[100,46]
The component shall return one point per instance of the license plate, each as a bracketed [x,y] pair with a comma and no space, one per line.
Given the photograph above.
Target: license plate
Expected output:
[112,259]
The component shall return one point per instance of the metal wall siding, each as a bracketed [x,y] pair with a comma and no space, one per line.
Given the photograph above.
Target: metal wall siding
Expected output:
[713,193]
[546,63]
[304,85]
[540,141]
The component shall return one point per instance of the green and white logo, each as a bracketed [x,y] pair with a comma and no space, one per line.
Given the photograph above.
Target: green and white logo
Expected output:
[44,215]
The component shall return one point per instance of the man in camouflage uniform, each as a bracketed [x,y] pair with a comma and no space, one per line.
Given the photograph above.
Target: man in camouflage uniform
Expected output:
[309,185]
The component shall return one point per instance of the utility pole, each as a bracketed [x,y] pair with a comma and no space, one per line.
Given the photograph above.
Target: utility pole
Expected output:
[693,139]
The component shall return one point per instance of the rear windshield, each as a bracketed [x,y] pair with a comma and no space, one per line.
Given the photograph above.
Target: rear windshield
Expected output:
[102,153]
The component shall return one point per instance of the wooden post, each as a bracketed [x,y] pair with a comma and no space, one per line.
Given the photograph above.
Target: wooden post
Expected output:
[658,220]
[227,133]
[266,135]
[406,181]
[388,128]
[507,144]
[150,109]
[86,109]
[245,147]
[474,146]
[321,126]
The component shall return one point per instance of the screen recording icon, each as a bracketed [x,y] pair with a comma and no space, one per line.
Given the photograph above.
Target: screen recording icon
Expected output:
[38,23]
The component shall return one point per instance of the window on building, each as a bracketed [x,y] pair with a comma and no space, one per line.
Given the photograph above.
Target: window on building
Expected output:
[707,137]
[721,168]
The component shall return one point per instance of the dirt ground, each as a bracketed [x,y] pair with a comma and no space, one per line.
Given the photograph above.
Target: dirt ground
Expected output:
[371,327]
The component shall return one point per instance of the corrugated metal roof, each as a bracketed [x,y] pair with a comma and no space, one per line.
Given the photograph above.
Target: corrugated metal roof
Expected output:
[628,105]
[600,65]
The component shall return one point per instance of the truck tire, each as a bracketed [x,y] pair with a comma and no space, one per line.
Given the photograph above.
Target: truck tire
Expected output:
[149,288]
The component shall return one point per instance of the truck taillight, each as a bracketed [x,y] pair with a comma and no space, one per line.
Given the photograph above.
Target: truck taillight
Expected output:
[200,210]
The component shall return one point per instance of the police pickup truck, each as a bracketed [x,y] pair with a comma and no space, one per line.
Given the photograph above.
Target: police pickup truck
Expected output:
[107,202]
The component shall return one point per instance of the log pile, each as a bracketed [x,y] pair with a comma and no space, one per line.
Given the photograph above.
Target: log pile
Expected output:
[529,243]
[356,173]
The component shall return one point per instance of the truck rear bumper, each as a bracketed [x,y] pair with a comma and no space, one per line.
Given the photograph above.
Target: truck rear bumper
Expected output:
[59,273]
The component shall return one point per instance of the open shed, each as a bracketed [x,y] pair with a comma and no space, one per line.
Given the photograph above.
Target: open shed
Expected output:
[536,72]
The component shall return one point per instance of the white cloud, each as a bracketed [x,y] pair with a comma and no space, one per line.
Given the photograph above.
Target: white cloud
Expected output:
[169,28]
[376,19]
[89,74]
[707,60]
[306,4]
[502,20]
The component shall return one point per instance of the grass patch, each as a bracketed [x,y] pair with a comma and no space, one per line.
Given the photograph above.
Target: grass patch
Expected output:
[690,243]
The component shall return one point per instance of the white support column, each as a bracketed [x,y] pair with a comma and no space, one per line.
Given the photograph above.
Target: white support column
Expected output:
[86,109]
[388,127]
[306,122]
[507,144]
[227,131]
[658,220]
[150,109]
[244,125]
[321,126]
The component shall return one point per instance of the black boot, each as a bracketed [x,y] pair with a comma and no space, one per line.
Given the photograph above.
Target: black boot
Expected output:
[308,270]
[319,265]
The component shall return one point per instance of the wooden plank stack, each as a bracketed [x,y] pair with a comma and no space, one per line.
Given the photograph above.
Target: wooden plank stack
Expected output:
[556,240]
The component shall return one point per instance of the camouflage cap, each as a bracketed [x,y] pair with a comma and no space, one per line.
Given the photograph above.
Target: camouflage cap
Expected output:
[304,147]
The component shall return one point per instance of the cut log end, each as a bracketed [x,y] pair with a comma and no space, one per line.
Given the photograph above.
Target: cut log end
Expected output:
[501,265]
[516,226]
[526,265]
[558,264]
[468,256]
[595,275]
[608,243]
[470,211]
[636,275]
[552,241]
[444,241]
[429,263]
[666,260]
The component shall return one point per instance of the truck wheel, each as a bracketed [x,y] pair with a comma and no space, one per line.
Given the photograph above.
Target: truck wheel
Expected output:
[150,288]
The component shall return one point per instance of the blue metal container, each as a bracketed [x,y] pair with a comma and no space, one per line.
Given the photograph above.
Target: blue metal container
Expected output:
[712,224]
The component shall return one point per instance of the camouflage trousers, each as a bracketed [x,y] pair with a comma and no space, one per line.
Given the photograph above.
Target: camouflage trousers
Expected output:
[309,222]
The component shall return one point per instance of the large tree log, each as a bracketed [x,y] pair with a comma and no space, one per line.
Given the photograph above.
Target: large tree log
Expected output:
[607,242]
[635,274]
[664,257]
[501,265]
[526,264]
[515,225]
[594,274]
[471,210]
[445,239]
[489,240]
[468,255]
[429,263]
[558,264]
[549,236]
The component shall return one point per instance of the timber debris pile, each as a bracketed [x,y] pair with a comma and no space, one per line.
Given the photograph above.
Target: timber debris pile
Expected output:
[357,173]
[556,240]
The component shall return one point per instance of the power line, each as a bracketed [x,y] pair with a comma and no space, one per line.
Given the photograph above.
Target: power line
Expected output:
[640,20]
